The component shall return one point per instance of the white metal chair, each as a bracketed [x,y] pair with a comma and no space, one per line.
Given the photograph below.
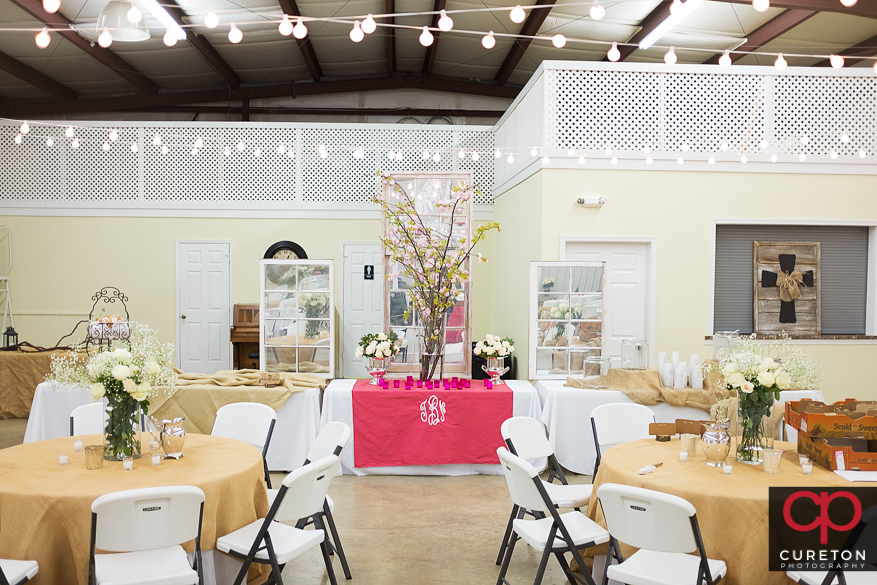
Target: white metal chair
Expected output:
[616,423]
[145,528]
[302,495]
[664,528]
[556,534]
[250,422]
[331,441]
[88,419]
[525,437]
[17,572]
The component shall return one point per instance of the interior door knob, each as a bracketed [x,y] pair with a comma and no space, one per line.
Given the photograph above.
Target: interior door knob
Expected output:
[182,316]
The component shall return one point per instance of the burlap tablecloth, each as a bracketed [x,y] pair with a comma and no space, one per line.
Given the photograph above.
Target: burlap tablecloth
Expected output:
[20,373]
[45,508]
[732,510]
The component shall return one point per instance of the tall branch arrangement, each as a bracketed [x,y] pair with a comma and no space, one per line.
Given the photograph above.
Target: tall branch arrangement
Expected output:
[428,254]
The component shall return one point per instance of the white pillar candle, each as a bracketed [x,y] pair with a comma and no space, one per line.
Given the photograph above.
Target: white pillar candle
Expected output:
[667,376]
[696,380]
[693,363]
[679,378]
[662,359]
[683,456]
[128,464]
[77,445]
[674,359]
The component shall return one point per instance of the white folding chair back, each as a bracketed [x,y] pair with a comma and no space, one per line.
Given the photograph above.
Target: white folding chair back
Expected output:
[249,422]
[648,519]
[88,419]
[331,437]
[306,489]
[148,518]
[18,571]
[620,423]
[528,437]
[519,476]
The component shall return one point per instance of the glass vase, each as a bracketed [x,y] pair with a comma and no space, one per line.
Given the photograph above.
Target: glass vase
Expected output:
[432,358]
[716,443]
[756,433]
[122,432]
[377,369]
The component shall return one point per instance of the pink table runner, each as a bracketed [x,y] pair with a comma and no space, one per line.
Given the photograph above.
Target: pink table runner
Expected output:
[428,427]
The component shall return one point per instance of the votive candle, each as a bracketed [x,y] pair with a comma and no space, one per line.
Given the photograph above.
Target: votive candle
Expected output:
[683,456]
[156,459]
[127,464]
[807,468]
[153,445]
[77,445]
[468,384]
[395,383]
[420,383]
[727,469]
[62,458]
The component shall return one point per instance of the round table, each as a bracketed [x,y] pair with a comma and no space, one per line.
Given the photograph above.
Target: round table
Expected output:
[45,508]
[732,510]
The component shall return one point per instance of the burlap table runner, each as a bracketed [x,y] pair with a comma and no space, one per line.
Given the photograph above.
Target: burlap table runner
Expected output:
[45,509]
[20,374]
[199,396]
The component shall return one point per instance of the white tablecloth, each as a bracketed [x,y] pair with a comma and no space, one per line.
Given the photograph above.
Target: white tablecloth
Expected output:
[338,406]
[298,422]
[567,415]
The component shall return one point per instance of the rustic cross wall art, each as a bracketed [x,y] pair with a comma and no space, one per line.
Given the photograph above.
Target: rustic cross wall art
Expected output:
[787,287]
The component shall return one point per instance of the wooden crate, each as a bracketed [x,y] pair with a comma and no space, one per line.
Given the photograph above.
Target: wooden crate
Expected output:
[768,305]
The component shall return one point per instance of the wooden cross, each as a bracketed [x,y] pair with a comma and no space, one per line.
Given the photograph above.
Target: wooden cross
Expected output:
[788,280]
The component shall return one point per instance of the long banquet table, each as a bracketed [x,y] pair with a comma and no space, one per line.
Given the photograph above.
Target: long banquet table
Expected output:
[338,406]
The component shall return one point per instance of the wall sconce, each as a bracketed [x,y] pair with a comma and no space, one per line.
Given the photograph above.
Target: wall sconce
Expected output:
[591,201]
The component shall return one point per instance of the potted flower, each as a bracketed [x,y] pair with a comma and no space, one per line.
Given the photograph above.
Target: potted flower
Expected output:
[548,284]
[495,350]
[378,348]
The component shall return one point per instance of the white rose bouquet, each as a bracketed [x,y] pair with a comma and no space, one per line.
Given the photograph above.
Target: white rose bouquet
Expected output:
[494,346]
[378,345]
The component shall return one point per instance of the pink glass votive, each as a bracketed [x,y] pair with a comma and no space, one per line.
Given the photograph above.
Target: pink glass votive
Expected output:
[454,379]
[420,383]
[410,379]
[395,383]
[429,384]
[468,384]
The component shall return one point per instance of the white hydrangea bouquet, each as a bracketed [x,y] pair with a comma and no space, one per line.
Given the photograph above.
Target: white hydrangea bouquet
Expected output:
[378,345]
[127,377]
[494,346]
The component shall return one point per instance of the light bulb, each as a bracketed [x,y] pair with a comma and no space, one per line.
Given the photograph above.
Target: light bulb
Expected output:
[649,160]
[169,38]
[195,152]
[436,157]
[24,128]
[802,157]
[165,149]
[105,39]
[848,3]
[613,54]
[43,38]
[113,135]
[369,25]
[862,153]
[763,144]
[517,14]
[426,37]
[805,140]
[300,31]
[50,141]
[608,150]
[199,143]
[534,152]
[106,146]
[836,61]
[226,151]
[723,146]
[725,59]
[614,160]
[281,148]
[285,27]
[686,147]
[425,154]
[410,186]
[156,140]
[571,152]
[69,132]
[647,149]
[488,41]
[774,158]
[133,147]
[875,66]
[780,63]
[290,153]
[497,153]
[558,41]
[235,35]
[51,6]
[475,156]
[461,153]
[257,152]
[75,143]
[760,5]
[711,160]
[597,11]
[670,56]
[676,5]
[510,159]
[211,20]
[581,160]
[546,160]
[399,155]
[680,161]
[391,155]
[744,159]
[833,155]
[844,137]
[241,146]
[445,22]
[356,34]
[134,14]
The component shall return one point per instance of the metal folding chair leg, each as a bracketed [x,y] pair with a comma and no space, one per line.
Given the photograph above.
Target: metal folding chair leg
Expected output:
[324,546]
[336,540]
[505,562]
[543,563]
[507,535]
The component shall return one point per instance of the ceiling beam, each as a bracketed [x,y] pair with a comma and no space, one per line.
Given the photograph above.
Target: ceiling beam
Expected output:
[531,26]
[648,24]
[863,8]
[431,50]
[290,8]
[867,48]
[780,25]
[35,78]
[390,36]
[202,46]
[293,90]
[61,25]
[279,111]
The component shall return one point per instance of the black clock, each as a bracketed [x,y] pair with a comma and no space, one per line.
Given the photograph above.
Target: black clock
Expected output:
[285,250]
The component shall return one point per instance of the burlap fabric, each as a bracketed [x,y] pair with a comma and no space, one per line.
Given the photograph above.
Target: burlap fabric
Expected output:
[199,396]
[20,374]
[45,509]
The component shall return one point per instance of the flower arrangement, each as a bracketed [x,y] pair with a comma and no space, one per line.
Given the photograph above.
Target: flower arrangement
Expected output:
[314,305]
[378,345]
[549,281]
[432,255]
[494,346]
[127,377]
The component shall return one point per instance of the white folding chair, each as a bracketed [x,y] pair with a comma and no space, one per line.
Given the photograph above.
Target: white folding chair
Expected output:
[664,528]
[145,528]
[556,534]
[331,441]
[525,437]
[249,422]
[303,494]
[619,423]
[17,572]
[88,419]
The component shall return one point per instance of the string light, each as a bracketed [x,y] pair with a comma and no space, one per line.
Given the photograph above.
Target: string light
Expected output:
[844,137]
[833,155]
[24,128]
[105,39]
[391,154]
[608,150]
[805,139]
[113,135]
[676,5]
[510,159]
[235,35]
[170,38]
[257,152]
[461,153]
[475,157]
[199,143]
[290,153]
[686,147]
[582,160]
[497,153]
[597,11]
[426,37]
[680,161]
[546,160]
[614,160]
[744,159]
[613,54]
[134,14]
[780,63]
[241,146]
[558,41]
[165,149]
[106,146]
[425,154]
[195,152]
[356,34]
[156,140]
[670,56]
[802,157]
[848,3]
[134,147]
[226,151]
[711,160]
[763,144]
[774,158]
[836,61]
[43,38]
[436,157]
[51,6]
[862,153]
[285,26]
[571,152]
[488,41]
[517,14]
[211,20]
[723,146]
[69,132]
[399,155]
[369,25]
[300,31]
[281,148]
[75,143]
[50,141]
[445,23]
[725,59]
[761,5]
[649,160]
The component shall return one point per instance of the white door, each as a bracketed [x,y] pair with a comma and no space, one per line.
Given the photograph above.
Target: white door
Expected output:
[204,306]
[627,290]
[363,302]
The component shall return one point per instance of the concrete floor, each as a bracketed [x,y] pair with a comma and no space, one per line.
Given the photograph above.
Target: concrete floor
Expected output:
[410,529]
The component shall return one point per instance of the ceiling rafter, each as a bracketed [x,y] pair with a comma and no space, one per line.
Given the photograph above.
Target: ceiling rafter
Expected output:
[61,25]
[202,46]
[390,36]
[648,24]
[531,26]
[778,26]
[290,8]
[431,50]
[863,8]
[196,109]
[35,78]
[867,48]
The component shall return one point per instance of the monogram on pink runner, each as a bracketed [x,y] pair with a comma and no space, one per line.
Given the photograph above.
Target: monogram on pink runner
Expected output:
[428,427]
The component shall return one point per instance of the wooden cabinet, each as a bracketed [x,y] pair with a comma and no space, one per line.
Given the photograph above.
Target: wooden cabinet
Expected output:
[245,337]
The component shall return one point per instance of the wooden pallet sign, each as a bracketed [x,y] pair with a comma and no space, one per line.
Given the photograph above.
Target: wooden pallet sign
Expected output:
[787,286]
